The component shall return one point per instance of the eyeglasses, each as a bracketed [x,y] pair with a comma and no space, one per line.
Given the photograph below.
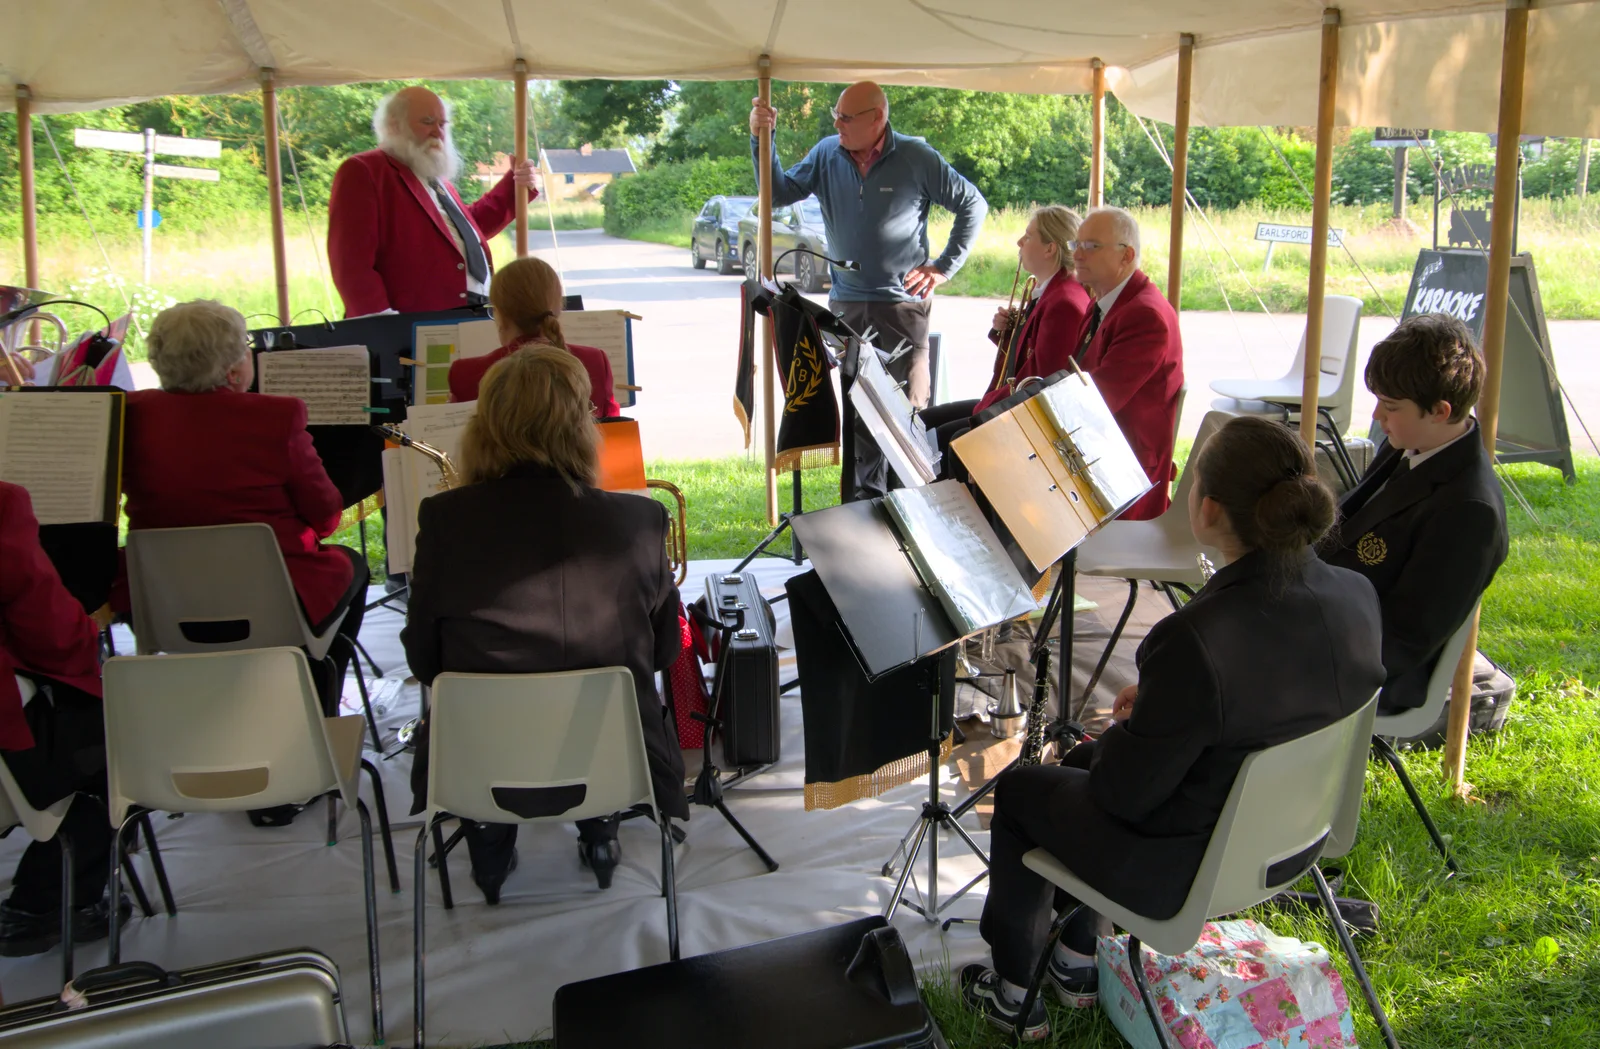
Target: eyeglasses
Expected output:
[851,118]
[1089,246]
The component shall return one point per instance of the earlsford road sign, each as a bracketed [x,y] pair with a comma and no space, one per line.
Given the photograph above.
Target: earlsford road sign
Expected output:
[133,142]
[1277,234]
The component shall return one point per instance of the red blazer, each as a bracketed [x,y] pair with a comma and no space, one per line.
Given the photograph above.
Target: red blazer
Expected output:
[389,247]
[1048,336]
[468,372]
[227,458]
[43,629]
[1136,359]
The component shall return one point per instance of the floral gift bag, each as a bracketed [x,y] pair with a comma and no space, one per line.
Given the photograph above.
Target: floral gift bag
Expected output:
[1240,987]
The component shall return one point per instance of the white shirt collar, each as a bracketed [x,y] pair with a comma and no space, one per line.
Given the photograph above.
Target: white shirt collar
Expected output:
[1038,289]
[1109,299]
[1416,459]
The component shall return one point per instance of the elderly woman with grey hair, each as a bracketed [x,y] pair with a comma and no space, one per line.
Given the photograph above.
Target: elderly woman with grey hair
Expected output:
[202,450]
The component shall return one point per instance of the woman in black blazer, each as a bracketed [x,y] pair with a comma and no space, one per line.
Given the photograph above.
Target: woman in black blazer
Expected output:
[1275,646]
[529,568]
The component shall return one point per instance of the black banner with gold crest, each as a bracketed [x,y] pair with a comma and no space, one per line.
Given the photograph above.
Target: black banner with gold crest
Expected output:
[808,432]
[744,381]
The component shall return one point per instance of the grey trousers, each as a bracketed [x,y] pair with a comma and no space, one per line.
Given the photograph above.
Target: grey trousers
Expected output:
[866,472]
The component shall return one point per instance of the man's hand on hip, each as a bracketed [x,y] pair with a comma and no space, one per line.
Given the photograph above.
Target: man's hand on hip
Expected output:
[762,116]
[923,279]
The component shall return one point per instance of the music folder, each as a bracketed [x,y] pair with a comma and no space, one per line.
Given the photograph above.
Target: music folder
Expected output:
[900,434]
[1055,468]
[912,573]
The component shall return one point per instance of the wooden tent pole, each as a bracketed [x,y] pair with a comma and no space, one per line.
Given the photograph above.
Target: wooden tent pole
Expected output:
[769,353]
[521,150]
[1180,168]
[1097,137]
[1321,192]
[30,212]
[1497,301]
[269,121]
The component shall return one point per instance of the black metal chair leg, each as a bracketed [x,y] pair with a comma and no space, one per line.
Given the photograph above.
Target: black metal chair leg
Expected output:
[370,890]
[1136,964]
[1105,657]
[333,818]
[1355,960]
[361,686]
[68,905]
[419,906]
[1036,985]
[136,887]
[442,851]
[669,886]
[372,664]
[1388,754]
[119,859]
[160,868]
[383,824]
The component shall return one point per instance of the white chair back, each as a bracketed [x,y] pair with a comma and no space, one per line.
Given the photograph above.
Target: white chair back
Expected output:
[1341,325]
[186,577]
[510,748]
[1418,720]
[41,824]
[215,732]
[1284,804]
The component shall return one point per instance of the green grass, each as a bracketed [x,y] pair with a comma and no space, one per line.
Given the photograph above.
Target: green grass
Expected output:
[1560,234]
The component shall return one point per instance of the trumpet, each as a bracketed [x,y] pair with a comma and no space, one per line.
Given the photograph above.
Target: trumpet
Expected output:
[448,477]
[1005,337]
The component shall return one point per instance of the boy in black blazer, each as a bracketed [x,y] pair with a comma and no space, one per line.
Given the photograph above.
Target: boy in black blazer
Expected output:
[1427,522]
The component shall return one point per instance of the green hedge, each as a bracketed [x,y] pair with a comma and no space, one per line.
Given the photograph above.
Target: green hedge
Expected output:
[675,188]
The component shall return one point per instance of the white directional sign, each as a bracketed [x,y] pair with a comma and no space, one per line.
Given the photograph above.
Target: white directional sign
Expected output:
[1280,234]
[170,171]
[133,142]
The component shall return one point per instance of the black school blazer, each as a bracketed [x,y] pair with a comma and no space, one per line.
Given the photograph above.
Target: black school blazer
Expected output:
[1430,542]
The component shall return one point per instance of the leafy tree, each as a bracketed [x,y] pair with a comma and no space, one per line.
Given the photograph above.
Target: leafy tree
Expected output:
[599,109]
[1556,173]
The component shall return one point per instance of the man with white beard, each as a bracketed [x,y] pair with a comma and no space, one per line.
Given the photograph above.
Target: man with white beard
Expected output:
[399,236]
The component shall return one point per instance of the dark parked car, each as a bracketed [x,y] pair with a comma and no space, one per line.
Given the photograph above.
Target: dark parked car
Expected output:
[715,234]
[796,226]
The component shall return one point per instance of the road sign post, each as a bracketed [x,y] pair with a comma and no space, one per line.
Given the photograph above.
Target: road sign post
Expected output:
[150,144]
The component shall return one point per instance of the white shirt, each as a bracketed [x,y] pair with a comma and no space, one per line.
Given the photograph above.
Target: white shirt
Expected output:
[1416,459]
[474,287]
[1038,289]
[1109,299]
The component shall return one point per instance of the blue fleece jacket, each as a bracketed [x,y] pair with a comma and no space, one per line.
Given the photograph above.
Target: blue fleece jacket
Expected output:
[881,221]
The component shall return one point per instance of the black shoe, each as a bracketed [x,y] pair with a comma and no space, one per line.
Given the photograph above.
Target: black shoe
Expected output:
[980,989]
[490,887]
[277,816]
[24,933]
[601,857]
[1077,986]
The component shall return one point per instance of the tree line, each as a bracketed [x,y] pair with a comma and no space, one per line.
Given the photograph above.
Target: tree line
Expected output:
[691,140]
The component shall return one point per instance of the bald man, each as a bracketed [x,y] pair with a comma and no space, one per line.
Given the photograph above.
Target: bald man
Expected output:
[876,186]
[399,236]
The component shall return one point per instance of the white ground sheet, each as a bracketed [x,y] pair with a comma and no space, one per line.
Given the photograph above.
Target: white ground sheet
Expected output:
[492,971]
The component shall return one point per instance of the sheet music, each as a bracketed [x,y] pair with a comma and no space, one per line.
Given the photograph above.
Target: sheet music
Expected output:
[334,382]
[477,338]
[410,477]
[434,347]
[901,436]
[1093,446]
[56,445]
[604,330]
[958,555]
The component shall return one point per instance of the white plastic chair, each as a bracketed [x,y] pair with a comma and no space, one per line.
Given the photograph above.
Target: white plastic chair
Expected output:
[230,732]
[533,748]
[182,580]
[43,825]
[1414,722]
[1162,551]
[1280,817]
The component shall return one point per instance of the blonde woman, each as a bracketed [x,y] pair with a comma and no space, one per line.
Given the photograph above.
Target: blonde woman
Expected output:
[529,568]
[527,297]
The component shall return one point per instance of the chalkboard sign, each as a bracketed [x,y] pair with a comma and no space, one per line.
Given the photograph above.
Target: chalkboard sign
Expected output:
[1532,425]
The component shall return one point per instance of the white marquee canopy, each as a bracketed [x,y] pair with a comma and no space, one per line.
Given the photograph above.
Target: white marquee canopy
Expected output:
[1433,63]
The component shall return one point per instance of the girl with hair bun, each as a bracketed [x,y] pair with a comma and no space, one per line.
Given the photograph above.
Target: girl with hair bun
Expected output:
[1275,646]
[526,297]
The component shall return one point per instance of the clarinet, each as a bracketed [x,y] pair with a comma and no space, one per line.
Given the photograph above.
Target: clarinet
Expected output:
[1034,731]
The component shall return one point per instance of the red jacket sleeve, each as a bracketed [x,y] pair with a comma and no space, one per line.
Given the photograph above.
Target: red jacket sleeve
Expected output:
[313,496]
[494,211]
[42,627]
[1138,347]
[353,233]
[1060,320]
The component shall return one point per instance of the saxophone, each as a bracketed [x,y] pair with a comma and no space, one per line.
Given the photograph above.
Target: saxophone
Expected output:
[448,478]
[1035,728]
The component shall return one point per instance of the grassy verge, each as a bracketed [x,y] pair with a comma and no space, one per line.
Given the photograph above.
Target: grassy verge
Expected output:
[1559,234]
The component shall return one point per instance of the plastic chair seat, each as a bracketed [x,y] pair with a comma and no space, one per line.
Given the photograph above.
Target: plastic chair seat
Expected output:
[1279,391]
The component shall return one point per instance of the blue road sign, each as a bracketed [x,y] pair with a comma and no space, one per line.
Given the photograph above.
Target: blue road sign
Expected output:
[149,218]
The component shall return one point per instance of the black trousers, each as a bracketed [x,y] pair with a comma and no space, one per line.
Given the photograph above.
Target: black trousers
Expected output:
[949,421]
[866,471]
[68,756]
[490,845]
[1018,912]
[352,605]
